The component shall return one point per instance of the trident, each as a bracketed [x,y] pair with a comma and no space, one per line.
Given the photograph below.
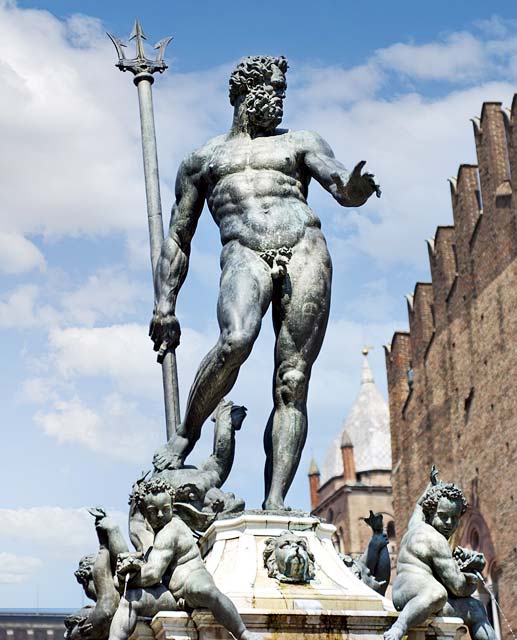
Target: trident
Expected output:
[143,70]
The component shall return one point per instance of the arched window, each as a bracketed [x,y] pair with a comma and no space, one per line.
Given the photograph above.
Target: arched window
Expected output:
[474,539]
[474,534]
[390,530]
[488,594]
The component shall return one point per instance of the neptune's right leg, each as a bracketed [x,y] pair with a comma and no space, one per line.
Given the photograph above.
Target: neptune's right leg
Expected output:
[245,293]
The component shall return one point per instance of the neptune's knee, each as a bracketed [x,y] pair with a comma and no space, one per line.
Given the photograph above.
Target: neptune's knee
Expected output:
[236,345]
[292,383]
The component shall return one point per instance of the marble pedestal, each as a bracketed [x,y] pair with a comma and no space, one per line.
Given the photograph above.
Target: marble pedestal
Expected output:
[334,605]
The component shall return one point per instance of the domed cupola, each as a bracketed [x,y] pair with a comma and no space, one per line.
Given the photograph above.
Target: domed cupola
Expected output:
[366,429]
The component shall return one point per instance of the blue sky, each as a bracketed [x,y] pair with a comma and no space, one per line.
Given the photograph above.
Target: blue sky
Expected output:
[394,83]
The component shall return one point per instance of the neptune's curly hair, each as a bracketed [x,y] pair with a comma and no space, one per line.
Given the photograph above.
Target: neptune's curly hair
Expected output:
[251,72]
[442,490]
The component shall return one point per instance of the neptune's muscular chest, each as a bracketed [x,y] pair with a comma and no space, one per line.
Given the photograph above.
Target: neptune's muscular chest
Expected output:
[241,154]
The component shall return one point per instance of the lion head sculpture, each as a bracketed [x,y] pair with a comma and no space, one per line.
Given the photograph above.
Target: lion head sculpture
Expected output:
[288,559]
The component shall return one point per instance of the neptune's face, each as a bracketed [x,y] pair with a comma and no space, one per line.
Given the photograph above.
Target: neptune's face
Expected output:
[265,102]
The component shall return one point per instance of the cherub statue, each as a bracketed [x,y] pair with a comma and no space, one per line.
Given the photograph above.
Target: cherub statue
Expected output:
[431,578]
[288,559]
[374,566]
[199,487]
[96,574]
[172,574]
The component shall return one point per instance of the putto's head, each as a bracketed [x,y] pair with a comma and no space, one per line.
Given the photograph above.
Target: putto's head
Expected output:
[443,505]
[154,499]
[259,82]
[84,576]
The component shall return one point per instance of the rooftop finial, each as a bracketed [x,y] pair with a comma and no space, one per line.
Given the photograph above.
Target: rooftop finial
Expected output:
[313,468]
[366,375]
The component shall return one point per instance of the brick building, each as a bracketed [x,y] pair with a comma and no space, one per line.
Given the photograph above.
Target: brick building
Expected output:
[355,474]
[452,379]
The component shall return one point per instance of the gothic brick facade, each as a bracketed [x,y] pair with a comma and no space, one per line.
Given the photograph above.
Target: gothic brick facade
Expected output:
[452,379]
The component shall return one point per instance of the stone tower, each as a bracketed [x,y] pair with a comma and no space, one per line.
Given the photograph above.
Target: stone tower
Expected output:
[355,474]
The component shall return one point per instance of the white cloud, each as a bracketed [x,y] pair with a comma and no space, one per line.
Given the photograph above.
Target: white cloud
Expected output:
[190,109]
[412,143]
[323,85]
[116,428]
[137,249]
[72,422]
[107,294]
[18,255]
[15,568]
[461,56]
[373,302]
[121,352]
[52,531]
[17,308]
[495,26]
[60,130]
[39,390]
[20,309]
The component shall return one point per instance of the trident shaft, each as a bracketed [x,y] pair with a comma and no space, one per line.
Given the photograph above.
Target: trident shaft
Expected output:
[143,68]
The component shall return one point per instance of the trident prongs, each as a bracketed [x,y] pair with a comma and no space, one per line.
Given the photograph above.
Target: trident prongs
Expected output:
[138,35]
[140,64]
[119,46]
[161,45]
